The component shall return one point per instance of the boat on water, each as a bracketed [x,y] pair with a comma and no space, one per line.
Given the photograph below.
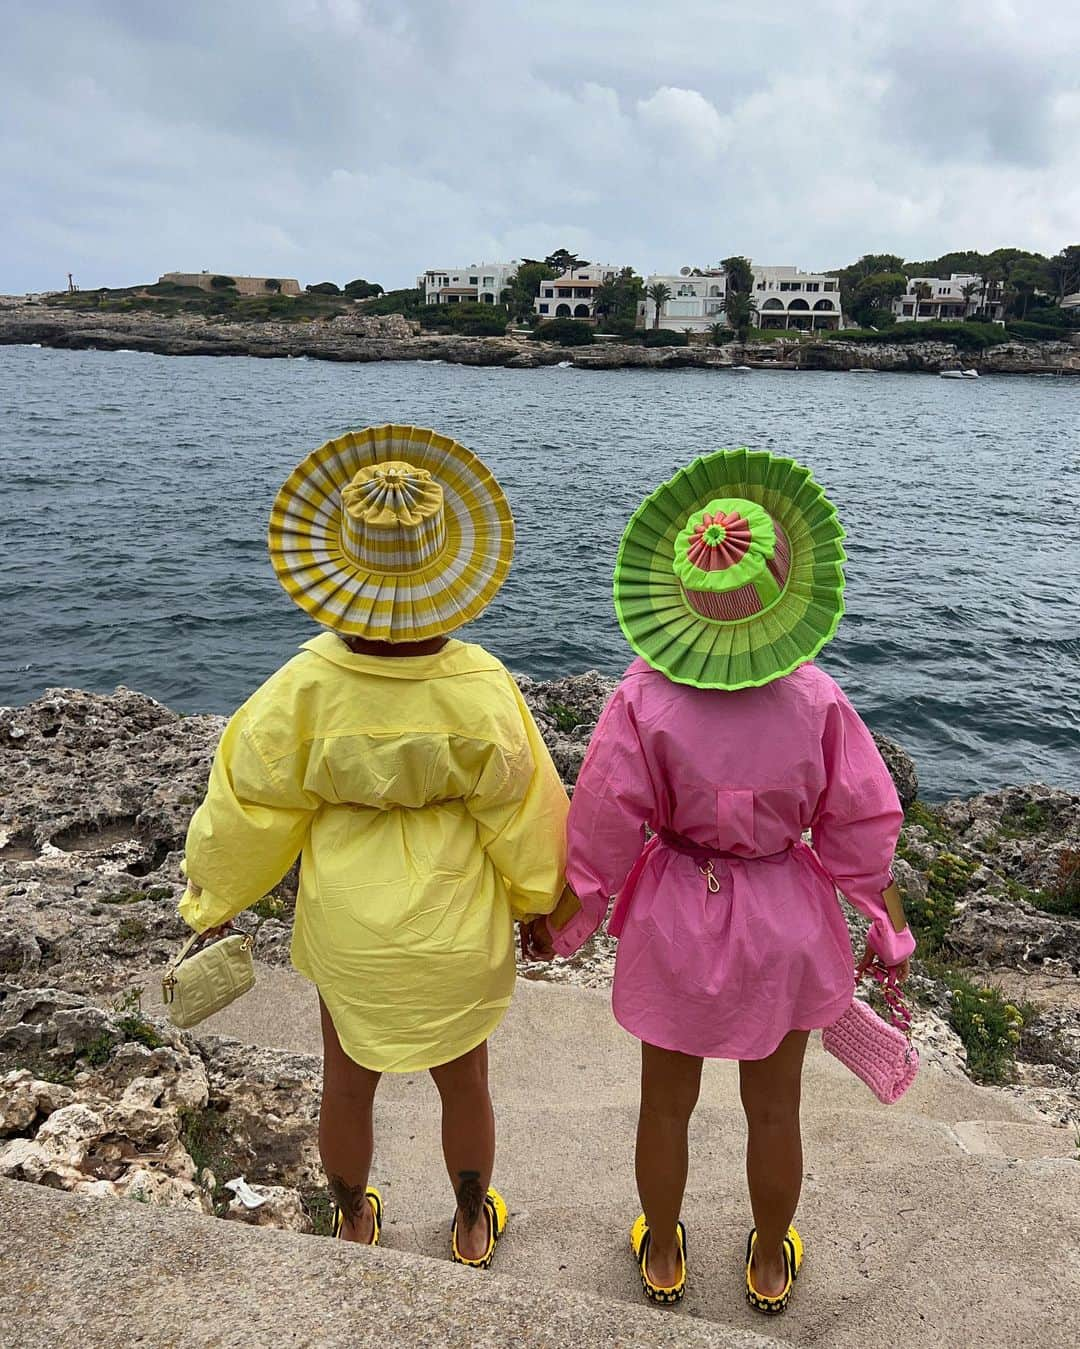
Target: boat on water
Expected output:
[863,370]
[742,367]
[959,374]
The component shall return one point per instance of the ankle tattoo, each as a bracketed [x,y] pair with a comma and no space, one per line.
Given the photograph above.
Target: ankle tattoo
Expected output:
[470,1196]
[349,1198]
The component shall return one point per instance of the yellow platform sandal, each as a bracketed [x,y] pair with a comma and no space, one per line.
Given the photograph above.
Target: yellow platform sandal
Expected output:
[497,1216]
[793,1258]
[374,1198]
[639,1244]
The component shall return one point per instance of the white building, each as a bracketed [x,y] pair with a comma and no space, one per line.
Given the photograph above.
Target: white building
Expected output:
[788,298]
[480,283]
[956,298]
[573,295]
[696,301]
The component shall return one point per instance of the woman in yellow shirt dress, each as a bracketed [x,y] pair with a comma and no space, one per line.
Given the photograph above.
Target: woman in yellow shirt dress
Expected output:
[406,771]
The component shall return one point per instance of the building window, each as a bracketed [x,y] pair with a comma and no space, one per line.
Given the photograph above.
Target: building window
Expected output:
[813,285]
[907,311]
[489,280]
[549,294]
[474,280]
[830,285]
[543,309]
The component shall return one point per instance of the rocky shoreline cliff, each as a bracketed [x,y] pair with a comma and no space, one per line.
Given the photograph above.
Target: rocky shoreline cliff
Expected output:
[98,1094]
[392,338]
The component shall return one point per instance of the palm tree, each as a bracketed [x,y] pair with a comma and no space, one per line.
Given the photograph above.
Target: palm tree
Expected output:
[969,292]
[740,308]
[659,293]
[922,293]
[718,332]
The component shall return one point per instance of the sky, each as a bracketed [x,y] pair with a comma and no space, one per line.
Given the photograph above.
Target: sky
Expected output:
[334,139]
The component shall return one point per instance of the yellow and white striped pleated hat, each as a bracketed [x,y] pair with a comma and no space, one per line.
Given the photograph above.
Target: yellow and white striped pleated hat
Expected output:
[394,533]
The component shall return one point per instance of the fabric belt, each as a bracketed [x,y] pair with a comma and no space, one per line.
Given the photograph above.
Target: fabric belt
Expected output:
[703,855]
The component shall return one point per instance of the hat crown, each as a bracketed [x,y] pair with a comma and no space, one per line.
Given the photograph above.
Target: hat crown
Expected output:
[392,517]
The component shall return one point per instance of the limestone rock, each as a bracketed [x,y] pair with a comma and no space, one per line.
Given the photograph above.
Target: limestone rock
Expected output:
[281,1207]
[24,1100]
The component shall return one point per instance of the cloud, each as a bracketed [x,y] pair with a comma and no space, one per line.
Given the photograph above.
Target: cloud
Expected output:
[337,138]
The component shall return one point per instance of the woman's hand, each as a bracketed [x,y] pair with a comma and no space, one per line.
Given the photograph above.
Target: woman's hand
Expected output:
[900,972]
[536,943]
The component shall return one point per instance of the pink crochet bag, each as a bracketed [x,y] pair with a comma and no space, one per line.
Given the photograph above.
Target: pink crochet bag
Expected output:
[879,1053]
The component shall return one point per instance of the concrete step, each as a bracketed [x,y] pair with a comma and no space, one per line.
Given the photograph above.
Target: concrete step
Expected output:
[106,1274]
[922,1220]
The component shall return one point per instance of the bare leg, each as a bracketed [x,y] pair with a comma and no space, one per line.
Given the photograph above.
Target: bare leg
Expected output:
[771,1090]
[468,1139]
[670,1083]
[345,1132]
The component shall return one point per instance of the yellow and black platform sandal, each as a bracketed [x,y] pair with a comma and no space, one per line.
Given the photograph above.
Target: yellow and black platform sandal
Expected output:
[793,1258]
[639,1244]
[495,1208]
[374,1198]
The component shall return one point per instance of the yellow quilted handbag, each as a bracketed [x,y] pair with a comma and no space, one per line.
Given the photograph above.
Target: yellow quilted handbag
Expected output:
[197,985]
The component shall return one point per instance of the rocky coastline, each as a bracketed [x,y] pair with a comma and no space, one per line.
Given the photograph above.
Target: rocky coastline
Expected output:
[393,338]
[100,1095]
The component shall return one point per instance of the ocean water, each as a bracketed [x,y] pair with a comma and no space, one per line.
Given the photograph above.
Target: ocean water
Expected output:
[136,488]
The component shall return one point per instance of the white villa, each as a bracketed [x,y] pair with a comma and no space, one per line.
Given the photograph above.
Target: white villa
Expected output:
[479,283]
[695,304]
[956,298]
[788,298]
[573,295]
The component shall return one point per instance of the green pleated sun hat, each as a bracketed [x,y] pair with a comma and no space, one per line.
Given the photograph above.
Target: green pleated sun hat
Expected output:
[732,574]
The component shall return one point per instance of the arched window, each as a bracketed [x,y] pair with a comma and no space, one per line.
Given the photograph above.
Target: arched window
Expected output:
[824,304]
[487,298]
[798,304]
[714,290]
[774,303]
[581,311]
[562,311]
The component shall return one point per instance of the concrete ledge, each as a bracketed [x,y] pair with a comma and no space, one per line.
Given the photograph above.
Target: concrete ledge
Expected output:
[91,1272]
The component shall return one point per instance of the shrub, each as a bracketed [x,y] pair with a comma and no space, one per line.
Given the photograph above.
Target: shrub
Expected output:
[222,283]
[272,283]
[623,327]
[407,302]
[470,320]
[665,337]
[323,288]
[567,332]
[361,289]
[988,1025]
[1035,332]
[931,918]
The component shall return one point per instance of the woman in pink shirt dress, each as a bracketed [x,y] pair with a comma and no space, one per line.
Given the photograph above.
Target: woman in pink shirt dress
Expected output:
[720,749]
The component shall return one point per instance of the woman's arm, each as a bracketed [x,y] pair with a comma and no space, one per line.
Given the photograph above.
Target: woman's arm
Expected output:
[612,802]
[520,807]
[248,831]
[856,826]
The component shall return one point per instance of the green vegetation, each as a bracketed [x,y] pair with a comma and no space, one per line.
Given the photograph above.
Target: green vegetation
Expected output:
[319,1207]
[131,930]
[98,1051]
[468,319]
[167,299]
[272,283]
[566,719]
[324,288]
[135,896]
[616,301]
[988,1026]
[927,818]
[38,1064]
[665,337]
[222,283]
[269,906]
[659,293]
[567,332]
[931,918]
[132,1022]
[719,333]
[963,334]
[740,305]
[204,1135]
[361,289]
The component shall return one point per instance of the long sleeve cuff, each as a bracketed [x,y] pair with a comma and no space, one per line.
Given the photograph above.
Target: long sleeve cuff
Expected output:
[566,940]
[201,910]
[890,947]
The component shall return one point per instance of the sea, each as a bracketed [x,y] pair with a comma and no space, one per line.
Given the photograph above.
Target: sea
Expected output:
[136,489]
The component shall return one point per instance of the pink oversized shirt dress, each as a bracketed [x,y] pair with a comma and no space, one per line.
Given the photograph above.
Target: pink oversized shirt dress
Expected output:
[728,971]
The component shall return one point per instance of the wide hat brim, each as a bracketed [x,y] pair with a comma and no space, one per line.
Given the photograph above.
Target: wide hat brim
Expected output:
[306,551]
[659,622]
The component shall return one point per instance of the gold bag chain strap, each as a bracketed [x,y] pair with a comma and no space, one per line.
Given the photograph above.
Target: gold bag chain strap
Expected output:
[168,981]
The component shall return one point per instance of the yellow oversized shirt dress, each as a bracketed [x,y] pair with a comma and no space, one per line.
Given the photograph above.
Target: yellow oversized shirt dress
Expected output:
[428,815]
